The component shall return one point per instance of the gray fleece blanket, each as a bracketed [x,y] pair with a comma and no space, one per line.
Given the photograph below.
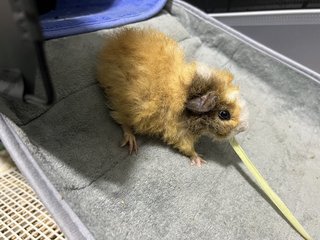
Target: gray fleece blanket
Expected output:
[70,151]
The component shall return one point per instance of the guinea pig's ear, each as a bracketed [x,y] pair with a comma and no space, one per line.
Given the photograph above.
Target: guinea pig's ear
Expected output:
[202,104]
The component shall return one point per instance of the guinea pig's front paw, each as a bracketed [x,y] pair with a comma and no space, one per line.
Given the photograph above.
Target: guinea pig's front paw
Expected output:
[129,139]
[197,160]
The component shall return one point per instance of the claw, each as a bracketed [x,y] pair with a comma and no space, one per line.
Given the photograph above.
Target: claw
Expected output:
[123,143]
[130,140]
[197,160]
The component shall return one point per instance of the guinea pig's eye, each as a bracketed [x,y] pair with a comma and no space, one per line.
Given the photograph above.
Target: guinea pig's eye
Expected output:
[224,115]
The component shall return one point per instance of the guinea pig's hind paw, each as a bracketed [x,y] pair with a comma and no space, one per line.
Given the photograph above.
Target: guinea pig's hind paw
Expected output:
[197,160]
[130,140]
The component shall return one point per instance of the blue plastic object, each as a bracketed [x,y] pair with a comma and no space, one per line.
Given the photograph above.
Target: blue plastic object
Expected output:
[80,16]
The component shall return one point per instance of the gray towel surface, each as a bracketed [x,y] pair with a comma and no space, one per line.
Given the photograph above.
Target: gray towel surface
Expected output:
[156,194]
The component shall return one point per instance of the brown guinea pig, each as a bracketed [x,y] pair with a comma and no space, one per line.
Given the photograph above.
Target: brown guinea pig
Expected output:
[152,90]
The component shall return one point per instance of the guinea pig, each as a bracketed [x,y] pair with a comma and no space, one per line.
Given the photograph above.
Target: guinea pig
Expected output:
[151,89]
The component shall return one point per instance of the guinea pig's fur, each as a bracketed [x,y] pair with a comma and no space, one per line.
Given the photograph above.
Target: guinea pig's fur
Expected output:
[148,84]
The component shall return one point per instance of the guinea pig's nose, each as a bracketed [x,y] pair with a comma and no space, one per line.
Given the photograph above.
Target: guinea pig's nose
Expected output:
[242,127]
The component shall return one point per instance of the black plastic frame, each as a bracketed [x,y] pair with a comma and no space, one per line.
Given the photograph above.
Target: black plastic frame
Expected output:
[21,53]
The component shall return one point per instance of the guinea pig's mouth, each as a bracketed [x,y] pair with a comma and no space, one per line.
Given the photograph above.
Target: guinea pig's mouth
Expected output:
[228,136]
[218,135]
[222,137]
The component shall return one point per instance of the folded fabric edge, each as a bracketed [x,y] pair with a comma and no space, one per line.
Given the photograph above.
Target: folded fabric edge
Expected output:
[67,220]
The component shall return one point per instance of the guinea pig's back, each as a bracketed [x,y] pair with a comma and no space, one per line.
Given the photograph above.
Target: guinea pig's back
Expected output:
[144,74]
